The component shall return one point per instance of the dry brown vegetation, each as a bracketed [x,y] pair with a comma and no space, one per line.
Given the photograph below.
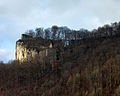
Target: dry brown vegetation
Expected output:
[91,68]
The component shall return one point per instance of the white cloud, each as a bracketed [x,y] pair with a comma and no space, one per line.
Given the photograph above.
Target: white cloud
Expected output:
[6,55]
[2,51]
[30,13]
[3,54]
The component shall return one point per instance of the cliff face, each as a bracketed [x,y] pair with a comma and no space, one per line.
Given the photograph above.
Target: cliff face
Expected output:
[22,53]
[28,49]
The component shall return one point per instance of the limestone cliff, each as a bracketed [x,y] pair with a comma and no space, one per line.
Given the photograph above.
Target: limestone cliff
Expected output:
[28,48]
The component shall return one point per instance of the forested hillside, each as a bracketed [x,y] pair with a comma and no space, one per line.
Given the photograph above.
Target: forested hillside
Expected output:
[88,66]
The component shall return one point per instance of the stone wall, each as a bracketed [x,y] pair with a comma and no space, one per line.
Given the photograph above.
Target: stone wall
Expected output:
[26,51]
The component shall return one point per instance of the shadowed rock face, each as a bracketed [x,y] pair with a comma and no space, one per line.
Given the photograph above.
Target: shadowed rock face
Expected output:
[25,37]
[28,48]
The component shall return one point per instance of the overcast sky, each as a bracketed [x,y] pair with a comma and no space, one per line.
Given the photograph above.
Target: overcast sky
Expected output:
[17,16]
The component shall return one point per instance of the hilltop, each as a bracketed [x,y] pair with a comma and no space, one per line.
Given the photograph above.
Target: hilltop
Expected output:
[87,66]
[50,42]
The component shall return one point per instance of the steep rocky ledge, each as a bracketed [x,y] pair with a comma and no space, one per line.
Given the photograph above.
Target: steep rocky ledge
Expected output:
[28,48]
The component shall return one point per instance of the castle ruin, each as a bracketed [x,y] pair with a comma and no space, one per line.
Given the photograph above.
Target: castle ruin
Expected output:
[28,48]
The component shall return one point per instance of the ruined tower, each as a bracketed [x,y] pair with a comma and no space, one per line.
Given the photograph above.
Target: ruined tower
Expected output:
[28,48]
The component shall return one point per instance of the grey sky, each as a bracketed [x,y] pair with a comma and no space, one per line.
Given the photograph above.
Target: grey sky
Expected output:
[16,16]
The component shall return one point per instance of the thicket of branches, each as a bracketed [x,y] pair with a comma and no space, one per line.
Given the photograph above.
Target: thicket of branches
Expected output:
[64,33]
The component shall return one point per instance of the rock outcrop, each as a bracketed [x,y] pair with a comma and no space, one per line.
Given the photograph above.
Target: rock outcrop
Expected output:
[28,48]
